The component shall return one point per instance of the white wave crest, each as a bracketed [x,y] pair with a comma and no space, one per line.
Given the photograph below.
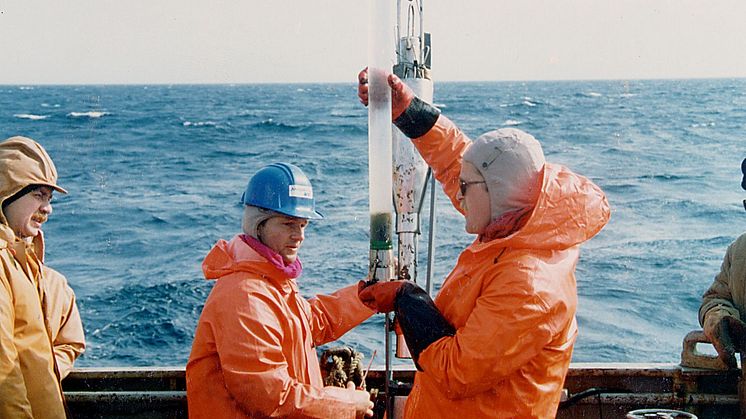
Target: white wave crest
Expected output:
[198,124]
[30,116]
[343,113]
[594,94]
[511,123]
[89,114]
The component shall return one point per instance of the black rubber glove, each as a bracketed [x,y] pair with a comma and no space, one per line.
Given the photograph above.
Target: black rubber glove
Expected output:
[417,119]
[419,319]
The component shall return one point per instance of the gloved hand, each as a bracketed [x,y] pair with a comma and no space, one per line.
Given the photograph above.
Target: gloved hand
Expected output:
[729,337]
[419,319]
[401,94]
[379,296]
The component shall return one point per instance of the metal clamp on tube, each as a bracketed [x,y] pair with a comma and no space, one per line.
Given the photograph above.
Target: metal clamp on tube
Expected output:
[381,266]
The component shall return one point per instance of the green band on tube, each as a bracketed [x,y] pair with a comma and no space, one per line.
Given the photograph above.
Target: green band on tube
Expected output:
[381,245]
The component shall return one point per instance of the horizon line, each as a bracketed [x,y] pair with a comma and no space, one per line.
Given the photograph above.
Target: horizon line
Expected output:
[246,83]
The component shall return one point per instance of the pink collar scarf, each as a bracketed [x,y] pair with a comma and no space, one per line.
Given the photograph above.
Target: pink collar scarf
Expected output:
[292,270]
[505,225]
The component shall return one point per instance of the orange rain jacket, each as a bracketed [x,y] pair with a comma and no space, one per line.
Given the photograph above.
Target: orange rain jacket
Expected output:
[512,300]
[253,353]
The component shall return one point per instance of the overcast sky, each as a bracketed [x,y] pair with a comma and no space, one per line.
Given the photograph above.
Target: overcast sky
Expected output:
[252,41]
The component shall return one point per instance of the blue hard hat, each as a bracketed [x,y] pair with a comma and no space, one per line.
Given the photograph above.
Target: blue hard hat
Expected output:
[283,188]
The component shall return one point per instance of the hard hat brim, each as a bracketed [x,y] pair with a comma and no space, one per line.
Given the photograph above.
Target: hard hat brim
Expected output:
[306,214]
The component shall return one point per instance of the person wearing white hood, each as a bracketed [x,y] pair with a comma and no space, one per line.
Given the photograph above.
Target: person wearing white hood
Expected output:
[497,340]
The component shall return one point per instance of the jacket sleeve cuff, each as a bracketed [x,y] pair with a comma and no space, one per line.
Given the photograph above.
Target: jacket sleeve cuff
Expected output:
[420,320]
[417,119]
[717,307]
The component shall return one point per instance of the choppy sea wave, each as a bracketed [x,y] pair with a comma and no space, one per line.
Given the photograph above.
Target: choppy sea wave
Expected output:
[88,114]
[30,116]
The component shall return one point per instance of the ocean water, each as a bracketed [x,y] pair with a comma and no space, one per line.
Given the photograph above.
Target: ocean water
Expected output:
[155,174]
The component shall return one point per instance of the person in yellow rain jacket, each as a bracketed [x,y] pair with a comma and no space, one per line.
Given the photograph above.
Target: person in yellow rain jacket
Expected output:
[498,339]
[253,353]
[63,319]
[29,383]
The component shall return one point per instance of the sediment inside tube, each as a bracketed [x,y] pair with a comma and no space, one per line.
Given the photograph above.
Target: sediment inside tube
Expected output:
[380,231]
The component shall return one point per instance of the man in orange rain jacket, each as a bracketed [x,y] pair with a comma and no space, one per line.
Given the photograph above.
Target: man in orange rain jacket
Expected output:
[253,353]
[497,340]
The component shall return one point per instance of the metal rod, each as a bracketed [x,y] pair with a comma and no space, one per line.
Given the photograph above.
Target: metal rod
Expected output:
[742,386]
[365,373]
[422,33]
[431,238]
[389,373]
[424,192]
[659,399]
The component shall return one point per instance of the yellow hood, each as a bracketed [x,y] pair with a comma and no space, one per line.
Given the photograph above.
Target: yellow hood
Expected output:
[24,162]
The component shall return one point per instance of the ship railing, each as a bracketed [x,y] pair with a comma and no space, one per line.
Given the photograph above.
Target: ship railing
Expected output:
[591,389]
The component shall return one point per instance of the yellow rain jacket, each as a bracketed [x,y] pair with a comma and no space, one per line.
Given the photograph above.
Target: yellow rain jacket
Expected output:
[253,353]
[512,300]
[63,319]
[727,294]
[29,386]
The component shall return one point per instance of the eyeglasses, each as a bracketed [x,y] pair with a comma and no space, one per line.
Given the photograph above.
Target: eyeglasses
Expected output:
[463,185]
